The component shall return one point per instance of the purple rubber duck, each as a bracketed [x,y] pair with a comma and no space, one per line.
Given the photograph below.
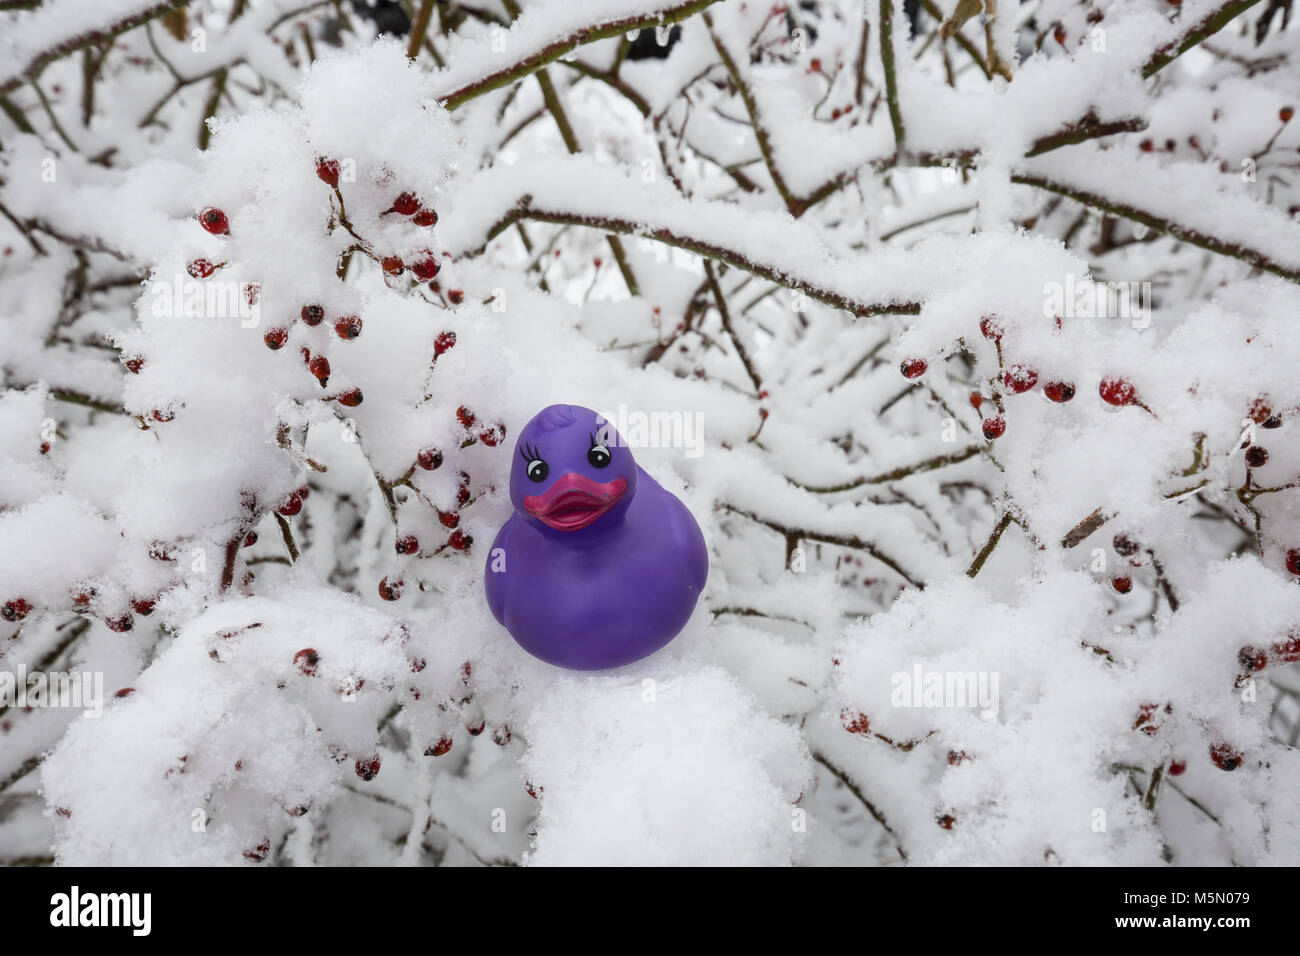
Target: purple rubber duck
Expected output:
[599,566]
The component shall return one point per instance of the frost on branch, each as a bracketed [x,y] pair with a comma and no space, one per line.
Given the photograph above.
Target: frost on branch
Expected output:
[987,325]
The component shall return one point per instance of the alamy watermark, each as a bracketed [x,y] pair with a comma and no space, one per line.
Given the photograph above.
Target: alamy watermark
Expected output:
[959,689]
[1087,299]
[658,429]
[77,689]
[186,298]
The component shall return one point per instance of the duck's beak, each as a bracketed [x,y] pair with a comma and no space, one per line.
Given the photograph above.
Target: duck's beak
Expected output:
[574,501]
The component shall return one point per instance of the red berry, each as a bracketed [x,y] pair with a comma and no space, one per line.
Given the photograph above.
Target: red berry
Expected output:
[1019,378]
[1176,768]
[449,519]
[1059,34]
[15,610]
[994,427]
[250,539]
[1146,145]
[425,217]
[1117,391]
[1125,546]
[1273,421]
[957,757]
[313,315]
[455,296]
[142,606]
[1252,658]
[945,820]
[462,494]
[351,398]
[368,767]
[1256,456]
[214,221]
[976,400]
[475,729]
[815,65]
[991,328]
[391,590]
[120,624]
[348,327]
[501,736]
[1225,757]
[439,748]
[275,339]
[1059,392]
[1285,114]
[460,540]
[913,367]
[327,170]
[159,415]
[1122,584]
[392,265]
[124,692]
[291,506]
[408,544]
[1259,411]
[425,266]
[1293,561]
[465,417]
[406,205]
[1148,719]
[134,364]
[320,367]
[200,268]
[429,459]
[306,660]
[492,436]
[443,342]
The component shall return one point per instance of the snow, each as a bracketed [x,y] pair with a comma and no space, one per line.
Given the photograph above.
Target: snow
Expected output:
[186,511]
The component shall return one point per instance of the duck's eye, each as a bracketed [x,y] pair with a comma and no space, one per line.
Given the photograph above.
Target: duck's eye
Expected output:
[599,456]
[537,470]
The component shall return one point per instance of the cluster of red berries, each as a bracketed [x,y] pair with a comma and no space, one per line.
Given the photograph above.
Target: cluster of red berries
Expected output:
[1253,658]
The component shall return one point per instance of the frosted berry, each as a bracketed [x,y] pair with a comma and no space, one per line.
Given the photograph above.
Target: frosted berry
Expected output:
[15,610]
[368,767]
[460,540]
[214,221]
[406,205]
[351,398]
[1177,767]
[465,417]
[1019,378]
[275,339]
[991,328]
[142,606]
[425,267]
[200,269]
[449,519]
[291,505]
[994,427]
[134,364]
[320,367]
[1117,391]
[1124,545]
[443,342]
[1256,456]
[327,170]
[475,729]
[1259,411]
[393,265]
[425,217]
[1225,757]
[1059,392]
[306,661]
[1252,658]
[440,747]
[1293,561]
[455,296]
[391,590]
[429,459]
[348,327]
[313,315]
[913,367]
[492,436]
[250,539]
[1273,421]
[1122,584]
[407,544]
[120,624]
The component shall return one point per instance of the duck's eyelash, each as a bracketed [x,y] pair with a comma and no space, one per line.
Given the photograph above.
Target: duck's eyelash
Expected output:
[603,443]
[530,453]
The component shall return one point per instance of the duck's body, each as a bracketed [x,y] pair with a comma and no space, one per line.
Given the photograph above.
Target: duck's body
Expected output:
[591,573]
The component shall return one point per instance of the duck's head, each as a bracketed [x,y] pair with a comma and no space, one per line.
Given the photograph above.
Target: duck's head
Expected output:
[571,472]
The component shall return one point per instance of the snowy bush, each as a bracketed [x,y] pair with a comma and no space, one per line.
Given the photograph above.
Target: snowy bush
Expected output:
[966,331]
